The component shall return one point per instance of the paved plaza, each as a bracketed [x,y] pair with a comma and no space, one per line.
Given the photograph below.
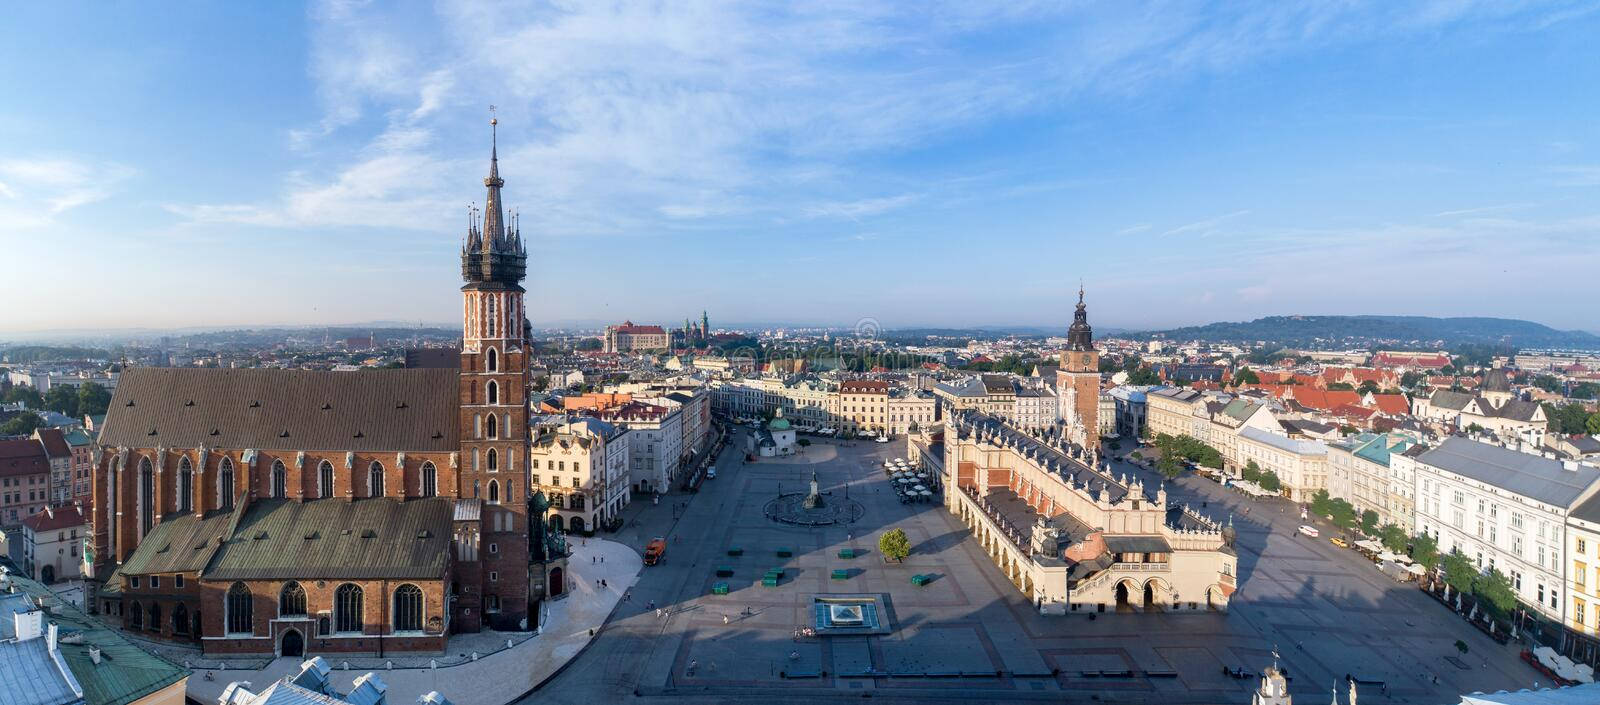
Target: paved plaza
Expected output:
[969,633]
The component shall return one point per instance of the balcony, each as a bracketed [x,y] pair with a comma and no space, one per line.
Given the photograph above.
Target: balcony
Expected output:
[1143,567]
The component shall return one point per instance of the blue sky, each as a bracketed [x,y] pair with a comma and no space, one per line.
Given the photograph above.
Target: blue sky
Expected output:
[915,163]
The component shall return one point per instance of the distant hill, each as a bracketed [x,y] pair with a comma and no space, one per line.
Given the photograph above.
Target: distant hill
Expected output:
[1365,330]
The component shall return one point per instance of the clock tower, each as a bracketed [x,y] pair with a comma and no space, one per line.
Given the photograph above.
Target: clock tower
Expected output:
[1078,382]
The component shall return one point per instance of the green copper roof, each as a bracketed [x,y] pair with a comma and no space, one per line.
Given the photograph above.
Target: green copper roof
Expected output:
[126,672]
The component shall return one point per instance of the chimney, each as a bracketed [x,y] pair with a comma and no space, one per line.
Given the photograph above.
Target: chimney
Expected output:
[1569,465]
[94,655]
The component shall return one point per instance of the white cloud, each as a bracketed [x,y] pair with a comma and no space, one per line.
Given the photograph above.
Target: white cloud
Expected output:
[36,191]
[1204,227]
[860,208]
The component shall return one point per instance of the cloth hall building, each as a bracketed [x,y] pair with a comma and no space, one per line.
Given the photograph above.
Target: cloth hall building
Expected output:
[286,512]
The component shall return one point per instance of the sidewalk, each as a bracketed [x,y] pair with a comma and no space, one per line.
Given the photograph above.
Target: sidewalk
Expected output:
[497,678]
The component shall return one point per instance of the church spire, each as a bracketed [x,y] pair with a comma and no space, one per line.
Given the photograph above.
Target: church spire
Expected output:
[1079,335]
[494,228]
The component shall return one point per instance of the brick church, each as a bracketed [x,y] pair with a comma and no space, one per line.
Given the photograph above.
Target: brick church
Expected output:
[290,512]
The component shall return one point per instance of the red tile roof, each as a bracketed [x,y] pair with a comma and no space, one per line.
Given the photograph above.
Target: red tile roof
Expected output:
[55,518]
[1392,404]
[55,442]
[24,457]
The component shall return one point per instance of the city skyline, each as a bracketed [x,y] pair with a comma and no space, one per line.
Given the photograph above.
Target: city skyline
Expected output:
[959,168]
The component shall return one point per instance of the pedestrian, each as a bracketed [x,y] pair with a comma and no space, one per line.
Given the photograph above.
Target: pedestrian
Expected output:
[724,619]
[603,583]
[653,606]
[602,559]
[593,560]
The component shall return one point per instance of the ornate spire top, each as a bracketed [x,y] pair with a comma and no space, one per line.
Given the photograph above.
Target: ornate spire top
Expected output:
[493,251]
[1079,336]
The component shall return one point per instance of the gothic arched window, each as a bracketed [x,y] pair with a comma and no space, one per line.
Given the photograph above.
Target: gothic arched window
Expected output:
[492,459]
[147,496]
[347,608]
[240,610]
[325,479]
[185,486]
[291,600]
[493,426]
[492,361]
[225,496]
[493,394]
[408,608]
[494,491]
[430,480]
[488,316]
[280,479]
[375,479]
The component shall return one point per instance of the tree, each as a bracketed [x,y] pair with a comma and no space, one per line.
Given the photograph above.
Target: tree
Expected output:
[1252,472]
[1425,551]
[1458,572]
[804,442]
[1369,522]
[26,395]
[894,544]
[1496,592]
[1593,424]
[1368,387]
[93,399]
[21,425]
[1567,418]
[1169,467]
[1411,379]
[1270,481]
[1393,538]
[1246,375]
[1340,387]
[1548,383]
[62,399]
[1321,504]
[1342,514]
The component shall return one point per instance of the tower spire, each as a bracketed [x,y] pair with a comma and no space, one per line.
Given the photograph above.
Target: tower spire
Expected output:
[494,227]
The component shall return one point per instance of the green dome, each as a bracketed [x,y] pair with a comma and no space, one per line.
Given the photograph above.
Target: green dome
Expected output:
[778,424]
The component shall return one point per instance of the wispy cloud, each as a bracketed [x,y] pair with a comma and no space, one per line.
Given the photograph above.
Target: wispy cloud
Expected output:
[35,191]
[1577,175]
[1484,209]
[1131,229]
[1204,227]
[860,208]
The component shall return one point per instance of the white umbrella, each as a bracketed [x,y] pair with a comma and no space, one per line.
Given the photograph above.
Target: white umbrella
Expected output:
[918,488]
[926,493]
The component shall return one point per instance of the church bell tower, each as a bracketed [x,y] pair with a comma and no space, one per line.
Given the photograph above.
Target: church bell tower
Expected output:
[493,470]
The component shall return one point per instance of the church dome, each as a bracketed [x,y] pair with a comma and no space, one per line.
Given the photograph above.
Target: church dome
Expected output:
[778,423]
[1496,381]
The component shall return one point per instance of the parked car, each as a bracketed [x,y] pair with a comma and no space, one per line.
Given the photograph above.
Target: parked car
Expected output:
[711,473]
[1339,541]
[1310,530]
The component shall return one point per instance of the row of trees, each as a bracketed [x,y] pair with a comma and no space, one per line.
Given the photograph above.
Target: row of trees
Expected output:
[1571,418]
[89,399]
[1267,479]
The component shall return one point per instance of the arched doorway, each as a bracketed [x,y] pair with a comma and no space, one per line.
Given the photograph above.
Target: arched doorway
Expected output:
[558,581]
[576,524]
[1214,599]
[1122,597]
[47,574]
[293,644]
[1149,596]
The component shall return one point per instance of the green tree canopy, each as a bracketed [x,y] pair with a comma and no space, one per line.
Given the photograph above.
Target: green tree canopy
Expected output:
[1270,481]
[1321,504]
[26,395]
[1369,522]
[22,424]
[62,399]
[1252,472]
[1425,551]
[1342,514]
[1459,572]
[1567,418]
[894,544]
[1368,387]
[1495,590]
[1393,538]
[1593,424]
[1246,375]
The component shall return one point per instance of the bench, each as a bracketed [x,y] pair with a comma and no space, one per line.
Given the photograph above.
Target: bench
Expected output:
[774,572]
[920,580]
[719,588]
[724,571]
[735,551]
[769,581]
[847,553]
[785,553]
[841,574]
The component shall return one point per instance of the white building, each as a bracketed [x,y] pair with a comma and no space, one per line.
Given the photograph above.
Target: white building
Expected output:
[52,543]
[1504,510]
[581,465]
